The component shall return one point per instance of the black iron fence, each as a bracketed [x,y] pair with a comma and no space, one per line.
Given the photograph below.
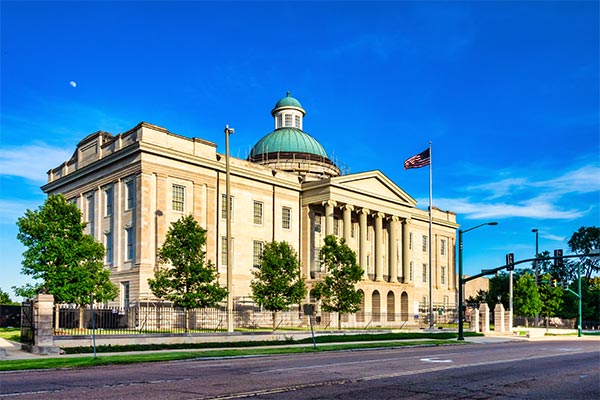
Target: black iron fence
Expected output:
[27,325]
[10,316]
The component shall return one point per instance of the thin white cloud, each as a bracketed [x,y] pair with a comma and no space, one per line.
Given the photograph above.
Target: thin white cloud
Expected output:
[31,161]
[11,210]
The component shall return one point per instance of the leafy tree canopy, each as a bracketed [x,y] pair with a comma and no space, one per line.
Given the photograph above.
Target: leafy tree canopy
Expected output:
[68,262]
[526,297]
[5,299]
[189,280]
[337,290]
[277,282]
[587,240]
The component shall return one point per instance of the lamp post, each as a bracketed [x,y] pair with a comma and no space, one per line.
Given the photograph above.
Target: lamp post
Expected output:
[537,274]
[228,131]
[460,276]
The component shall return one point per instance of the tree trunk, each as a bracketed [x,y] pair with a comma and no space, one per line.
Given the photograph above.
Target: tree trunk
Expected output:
[81,318]
[526,322]
[339,321]
[274,321]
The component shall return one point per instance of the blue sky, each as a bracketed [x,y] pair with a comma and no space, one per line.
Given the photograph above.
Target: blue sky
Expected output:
[507,92]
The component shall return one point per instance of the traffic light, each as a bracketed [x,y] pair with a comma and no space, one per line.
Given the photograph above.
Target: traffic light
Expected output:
[510,262]
[558,261]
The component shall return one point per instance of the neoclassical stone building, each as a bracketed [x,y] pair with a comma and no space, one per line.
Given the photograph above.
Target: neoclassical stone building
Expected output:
[131,186]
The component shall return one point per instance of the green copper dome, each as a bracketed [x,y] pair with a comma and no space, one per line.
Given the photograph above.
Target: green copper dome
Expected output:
[287,140]
[288,101]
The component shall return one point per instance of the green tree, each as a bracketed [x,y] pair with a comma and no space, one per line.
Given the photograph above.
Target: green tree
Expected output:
[526,300]
[337,291]
[586,240]
[189,280]
[277,282]
[68,262]
[551,297]
[6,300]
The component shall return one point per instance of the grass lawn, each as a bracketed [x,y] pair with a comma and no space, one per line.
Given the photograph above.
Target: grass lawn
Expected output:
[11,334]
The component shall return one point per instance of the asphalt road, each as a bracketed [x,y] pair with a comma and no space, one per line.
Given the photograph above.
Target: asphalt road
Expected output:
[515,370]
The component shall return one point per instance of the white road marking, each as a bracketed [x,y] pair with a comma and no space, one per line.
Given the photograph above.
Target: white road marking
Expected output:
[435,360]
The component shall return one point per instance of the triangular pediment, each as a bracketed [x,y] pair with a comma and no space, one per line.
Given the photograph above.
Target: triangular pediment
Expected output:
[374,184]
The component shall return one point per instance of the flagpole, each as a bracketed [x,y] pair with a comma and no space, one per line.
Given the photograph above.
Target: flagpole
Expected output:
[430,238]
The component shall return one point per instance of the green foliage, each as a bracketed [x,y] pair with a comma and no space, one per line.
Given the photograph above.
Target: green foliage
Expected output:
[526,297]
[6,300]
[277,282]
[191,281]
[337,290]
[551,298]
[587,240]
[68,262]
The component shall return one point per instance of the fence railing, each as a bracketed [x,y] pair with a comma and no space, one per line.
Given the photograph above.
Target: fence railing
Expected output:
[164,319]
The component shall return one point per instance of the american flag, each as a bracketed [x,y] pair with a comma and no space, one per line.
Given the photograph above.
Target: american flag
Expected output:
[417,161]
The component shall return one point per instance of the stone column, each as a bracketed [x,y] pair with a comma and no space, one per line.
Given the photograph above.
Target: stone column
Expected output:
[406,249]
[347,209]
[363,240]
[393,258]
[329,207]
[475,320]
[499,318]
[484,315]
[379,246]
[43,339]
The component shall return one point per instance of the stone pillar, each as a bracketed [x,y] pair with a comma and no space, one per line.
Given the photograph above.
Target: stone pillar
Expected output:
[484,315]
[329,207]
[363,240]
[393,258]
[347,210]
[379,246]
[475,320]
[405,250]
[499,318]
[43,339]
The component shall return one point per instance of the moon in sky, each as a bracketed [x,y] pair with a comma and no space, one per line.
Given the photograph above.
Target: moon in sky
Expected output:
[73,84]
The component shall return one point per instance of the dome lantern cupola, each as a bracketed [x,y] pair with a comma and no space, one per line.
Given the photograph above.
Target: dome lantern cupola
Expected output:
[289,148]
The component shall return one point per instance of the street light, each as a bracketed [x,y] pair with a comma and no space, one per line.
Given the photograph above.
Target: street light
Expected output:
[228,131]
[460,276]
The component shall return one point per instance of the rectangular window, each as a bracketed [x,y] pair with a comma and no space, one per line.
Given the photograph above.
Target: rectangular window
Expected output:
[108,244]
[412,272]
[178,200]
[317,259]
[443,247]
[317,222]
[258,213]
[125,295]
[297,121]
[279,121]
[286,218]
[288,119]
[424,243]
[224,206]
[352,227]
[443,275]
[410,241]
[130,236]
[90,213]
[424,273]
[108,197]
[130,194]
[257,250]
[224,250]
[336,226]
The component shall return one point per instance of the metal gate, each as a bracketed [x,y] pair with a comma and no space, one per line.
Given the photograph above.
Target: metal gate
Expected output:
[27,327]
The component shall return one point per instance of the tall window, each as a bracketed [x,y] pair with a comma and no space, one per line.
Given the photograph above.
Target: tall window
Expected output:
[258,213]
[125,295]
[410,241]
[286,218]
[130,194]
[424,273]
[297,121]
[257,250]
[108,243]
[279,121]
[130,237]
[108,197]
[317,222]
[443,247]
[224,206]
[336,226]
[443,275]
[352,227]
[288,119]
[317,259]
[90,212]
[424,243]
[178,200]
[224,249]
[412,272]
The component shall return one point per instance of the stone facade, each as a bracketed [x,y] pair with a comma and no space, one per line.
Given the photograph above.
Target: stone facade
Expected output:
[131,186]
